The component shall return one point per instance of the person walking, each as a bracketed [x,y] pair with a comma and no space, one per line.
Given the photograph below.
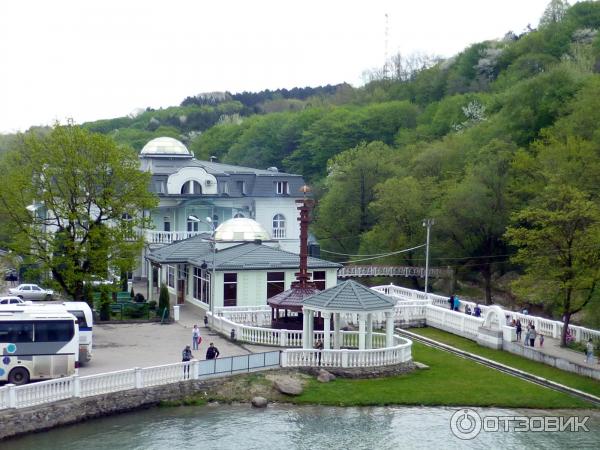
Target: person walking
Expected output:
[451,302]
[195,337]
[589,351]
[212,352]
[456,303]
[532,336]
[186,356]
[519,330]
[527,334]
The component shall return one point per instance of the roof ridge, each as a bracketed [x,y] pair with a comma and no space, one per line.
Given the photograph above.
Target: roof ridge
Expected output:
[358,297]
[335,294]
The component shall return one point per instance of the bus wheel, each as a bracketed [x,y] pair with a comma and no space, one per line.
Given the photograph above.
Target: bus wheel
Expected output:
[18,376]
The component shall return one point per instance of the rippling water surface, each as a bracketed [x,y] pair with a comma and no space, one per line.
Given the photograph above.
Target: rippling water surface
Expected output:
[293,427]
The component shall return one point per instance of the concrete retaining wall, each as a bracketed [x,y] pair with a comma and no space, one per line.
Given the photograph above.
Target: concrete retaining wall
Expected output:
[38,418]
[559,363]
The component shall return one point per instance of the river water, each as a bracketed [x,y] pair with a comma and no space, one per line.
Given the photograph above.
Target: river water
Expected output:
[301,427]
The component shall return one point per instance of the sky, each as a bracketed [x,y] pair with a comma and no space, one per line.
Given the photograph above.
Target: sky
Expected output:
[97,59]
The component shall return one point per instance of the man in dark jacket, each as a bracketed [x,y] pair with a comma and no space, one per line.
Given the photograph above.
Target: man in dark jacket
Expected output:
[212,352]
[186,356]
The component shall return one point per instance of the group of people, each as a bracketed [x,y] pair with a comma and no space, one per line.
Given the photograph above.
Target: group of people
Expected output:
[454,303]
[530,334]
[212,352]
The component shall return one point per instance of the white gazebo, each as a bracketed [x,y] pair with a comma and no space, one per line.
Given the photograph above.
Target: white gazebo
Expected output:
[347,298]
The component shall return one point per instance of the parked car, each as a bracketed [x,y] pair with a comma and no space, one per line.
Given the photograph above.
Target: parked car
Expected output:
[14,301]
[31,292]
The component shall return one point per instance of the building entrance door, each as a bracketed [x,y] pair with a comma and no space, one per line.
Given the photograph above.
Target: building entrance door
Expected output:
[180,292]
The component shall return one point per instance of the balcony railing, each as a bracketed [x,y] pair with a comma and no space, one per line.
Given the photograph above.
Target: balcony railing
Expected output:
[168,237]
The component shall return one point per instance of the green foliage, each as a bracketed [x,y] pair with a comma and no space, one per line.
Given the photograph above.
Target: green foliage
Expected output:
[65,204]
[163,300]
[105,303]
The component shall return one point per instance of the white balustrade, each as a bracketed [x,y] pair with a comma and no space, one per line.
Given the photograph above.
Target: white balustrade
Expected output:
[167,237]
[45,391]
[107,382]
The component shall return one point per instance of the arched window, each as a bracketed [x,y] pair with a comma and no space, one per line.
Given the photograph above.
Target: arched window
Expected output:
[278,226]
[239,216]
[191,187]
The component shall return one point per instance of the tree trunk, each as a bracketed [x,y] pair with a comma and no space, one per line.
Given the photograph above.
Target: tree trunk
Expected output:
[487,278]
[563,336]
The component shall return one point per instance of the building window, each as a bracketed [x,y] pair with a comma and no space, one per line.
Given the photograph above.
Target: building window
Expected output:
[191,187]
[239,216]
[230,289]
[193,223]
[215,221]
[167,223]
[281,187]
[275,283]
[318,277]
[241,186]
[278,226]
[201,284]
[171,276]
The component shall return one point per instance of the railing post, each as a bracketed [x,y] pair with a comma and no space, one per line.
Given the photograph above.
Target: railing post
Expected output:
[12,396]
[344,358]
[283,338]
[555,330]
[283,358]
[76,386]
[195,369]
[139,382]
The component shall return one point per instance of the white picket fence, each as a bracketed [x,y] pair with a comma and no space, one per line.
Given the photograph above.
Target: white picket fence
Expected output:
[547,327]
[79,387]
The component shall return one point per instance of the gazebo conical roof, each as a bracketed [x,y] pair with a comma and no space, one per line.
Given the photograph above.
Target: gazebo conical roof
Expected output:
[350,296]
[292,298]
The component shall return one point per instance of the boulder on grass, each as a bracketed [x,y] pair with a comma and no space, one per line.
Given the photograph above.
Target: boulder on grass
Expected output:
[288,386]
[259,402]
[325,377]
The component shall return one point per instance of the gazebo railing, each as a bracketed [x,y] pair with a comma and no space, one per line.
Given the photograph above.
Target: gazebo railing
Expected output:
[400,352]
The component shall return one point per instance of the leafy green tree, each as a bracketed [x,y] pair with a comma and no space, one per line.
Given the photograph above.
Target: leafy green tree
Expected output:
[554,12]
[73,204]
[163,300]
[343,213]
[475,212]
[104,304]
[557,239]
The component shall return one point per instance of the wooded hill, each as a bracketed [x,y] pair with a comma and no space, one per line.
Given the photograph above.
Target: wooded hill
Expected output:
[500,144]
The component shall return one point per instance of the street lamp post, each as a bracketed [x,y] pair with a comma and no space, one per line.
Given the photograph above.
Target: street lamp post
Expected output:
[427,223]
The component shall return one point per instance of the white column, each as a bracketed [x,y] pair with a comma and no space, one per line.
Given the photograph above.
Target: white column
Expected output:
[336,331]
[361,332]
[305,339]
[326,330]
[389,329]
[150,282]
[369,340]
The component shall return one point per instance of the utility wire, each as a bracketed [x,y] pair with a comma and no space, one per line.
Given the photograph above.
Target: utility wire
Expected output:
[375,254]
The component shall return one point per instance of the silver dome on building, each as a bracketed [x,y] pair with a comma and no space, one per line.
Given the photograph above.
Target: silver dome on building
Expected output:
[241,229]
[165,147]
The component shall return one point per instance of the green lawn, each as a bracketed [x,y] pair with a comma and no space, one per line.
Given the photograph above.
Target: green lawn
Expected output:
[551,373]
[450,381]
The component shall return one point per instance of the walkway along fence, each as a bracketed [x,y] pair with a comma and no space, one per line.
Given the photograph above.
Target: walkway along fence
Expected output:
[12,396]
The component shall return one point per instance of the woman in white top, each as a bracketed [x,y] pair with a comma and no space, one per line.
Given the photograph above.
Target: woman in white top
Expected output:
[195,337]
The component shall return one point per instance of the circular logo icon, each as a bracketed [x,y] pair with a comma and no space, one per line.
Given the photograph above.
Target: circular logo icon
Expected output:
[465,424]
[6,360]
[11,348]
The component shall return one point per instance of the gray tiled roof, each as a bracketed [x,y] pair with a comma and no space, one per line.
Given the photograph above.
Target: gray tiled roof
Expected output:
[246,256]
[350,296]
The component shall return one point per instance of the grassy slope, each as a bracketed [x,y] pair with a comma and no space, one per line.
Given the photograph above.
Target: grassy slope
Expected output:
[551,373]
[450,381]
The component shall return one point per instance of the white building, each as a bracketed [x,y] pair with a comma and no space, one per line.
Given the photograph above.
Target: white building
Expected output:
[247,267]
[196,196]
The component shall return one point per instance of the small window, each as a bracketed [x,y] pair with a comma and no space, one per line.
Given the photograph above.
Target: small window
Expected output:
[275,283]
[230,289]
[193,224]
[55,331]
[239,216]
[278,226]
[281,187]
[80,318]
[167,224]
[127,217]
[171,276]
[319,278]
[241,186]
[191,187]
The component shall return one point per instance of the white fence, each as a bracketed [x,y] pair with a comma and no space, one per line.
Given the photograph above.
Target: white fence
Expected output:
[78,387]
[547,327]
[399,353]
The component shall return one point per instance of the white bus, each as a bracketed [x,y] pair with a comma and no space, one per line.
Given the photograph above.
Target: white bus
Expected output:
[85,320]
[81,310]
[37,344]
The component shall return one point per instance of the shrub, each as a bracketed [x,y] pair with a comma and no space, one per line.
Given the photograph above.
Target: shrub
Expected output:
[104,305]
[132,293]
[163,300]
[152,305]
[139,298]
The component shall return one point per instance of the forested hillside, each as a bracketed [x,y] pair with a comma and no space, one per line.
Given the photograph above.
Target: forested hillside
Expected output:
[499,144]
